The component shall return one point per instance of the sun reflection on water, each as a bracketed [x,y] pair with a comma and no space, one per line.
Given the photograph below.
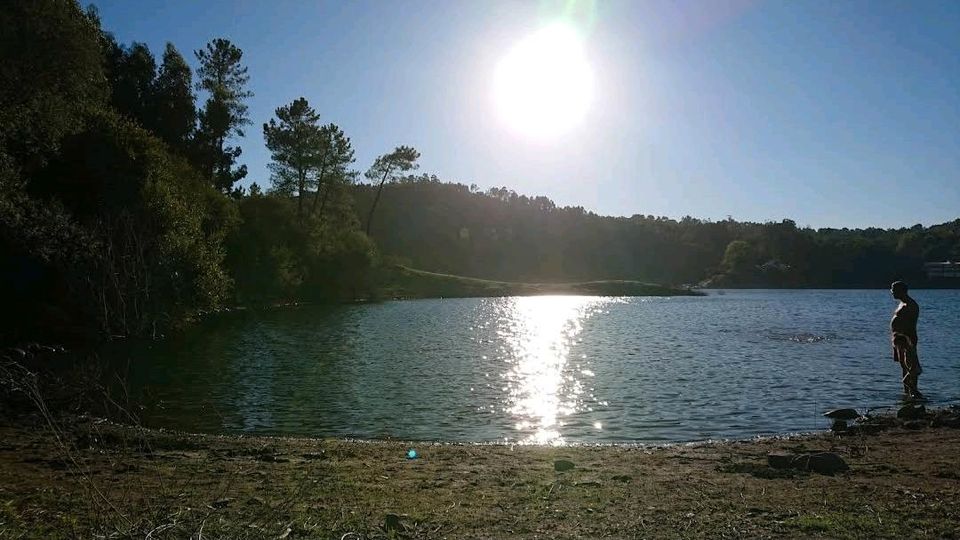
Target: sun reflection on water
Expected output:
[537,333]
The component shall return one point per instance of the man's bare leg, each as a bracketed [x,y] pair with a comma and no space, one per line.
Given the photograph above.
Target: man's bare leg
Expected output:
[900,355]
[912,370]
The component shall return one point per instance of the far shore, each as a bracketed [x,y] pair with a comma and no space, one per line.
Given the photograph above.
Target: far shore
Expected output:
[404,282]
[83,477]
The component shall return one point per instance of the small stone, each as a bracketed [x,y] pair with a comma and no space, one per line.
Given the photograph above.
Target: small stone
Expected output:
[222,503]
[563,465]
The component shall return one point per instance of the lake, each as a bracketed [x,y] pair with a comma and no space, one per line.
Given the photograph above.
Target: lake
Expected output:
[547,369]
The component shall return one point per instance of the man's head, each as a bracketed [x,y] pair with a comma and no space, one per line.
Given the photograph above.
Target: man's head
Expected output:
[899,290]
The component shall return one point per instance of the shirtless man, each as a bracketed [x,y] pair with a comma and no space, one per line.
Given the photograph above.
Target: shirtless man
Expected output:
[903,326]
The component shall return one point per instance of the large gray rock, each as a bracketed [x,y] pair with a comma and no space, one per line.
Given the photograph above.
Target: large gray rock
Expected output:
[823,462]
[911,412]
[947,420]
[780,460]
[915,424]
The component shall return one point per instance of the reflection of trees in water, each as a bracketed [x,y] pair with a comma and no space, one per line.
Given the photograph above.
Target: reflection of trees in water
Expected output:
[288,366]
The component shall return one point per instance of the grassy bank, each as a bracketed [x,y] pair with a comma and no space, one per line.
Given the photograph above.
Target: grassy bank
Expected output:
[404,282]
[97,478]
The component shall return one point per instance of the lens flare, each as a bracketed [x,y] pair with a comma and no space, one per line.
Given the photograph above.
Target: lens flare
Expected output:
[544,85]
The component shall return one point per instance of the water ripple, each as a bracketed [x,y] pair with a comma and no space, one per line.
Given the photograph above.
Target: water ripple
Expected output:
[543,369]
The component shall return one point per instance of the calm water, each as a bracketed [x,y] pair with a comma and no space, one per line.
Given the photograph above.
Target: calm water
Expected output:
[545,369]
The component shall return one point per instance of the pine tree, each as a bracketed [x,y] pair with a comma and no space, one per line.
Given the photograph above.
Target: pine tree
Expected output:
[293,138]
[386,167]
[174,109]
[336,155]
[224,114]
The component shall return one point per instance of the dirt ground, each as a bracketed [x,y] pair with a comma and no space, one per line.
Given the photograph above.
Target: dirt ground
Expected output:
[89,478]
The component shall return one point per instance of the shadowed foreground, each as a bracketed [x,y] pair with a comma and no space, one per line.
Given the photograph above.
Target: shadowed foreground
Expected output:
[121,481]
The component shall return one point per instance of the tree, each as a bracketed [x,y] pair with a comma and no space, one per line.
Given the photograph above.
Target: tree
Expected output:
[295,144]
[174,108]
[336,155]
[386,167]
[132,71]
[738,257]
[224,114]
[51,75]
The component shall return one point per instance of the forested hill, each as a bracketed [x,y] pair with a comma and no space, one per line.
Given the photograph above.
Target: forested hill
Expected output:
[498,234]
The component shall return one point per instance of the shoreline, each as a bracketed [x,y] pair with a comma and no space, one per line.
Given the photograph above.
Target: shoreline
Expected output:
[410,283]
[99,477]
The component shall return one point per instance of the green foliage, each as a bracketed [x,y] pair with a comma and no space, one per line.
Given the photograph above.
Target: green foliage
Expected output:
[738,257]
[113,219]
[262,251]
[277,257]
[155,253]
[51,75]
[332,171]
[102,230]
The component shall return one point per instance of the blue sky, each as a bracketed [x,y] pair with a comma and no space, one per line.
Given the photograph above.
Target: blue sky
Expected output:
[840,114]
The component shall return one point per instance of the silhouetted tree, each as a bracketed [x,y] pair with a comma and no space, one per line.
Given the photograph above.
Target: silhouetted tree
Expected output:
[132,71]
[386,167]
[224,114]
[174,107]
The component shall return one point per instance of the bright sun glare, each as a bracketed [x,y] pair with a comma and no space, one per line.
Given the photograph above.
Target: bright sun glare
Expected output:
[544,85]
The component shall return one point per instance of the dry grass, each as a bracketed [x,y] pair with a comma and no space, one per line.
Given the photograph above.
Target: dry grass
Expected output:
[165,485]
[64,476]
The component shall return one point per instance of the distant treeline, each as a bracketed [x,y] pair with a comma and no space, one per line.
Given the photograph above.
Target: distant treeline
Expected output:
[120,211]
[498,234]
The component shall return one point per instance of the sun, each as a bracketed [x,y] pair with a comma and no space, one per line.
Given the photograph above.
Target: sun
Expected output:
[544,85]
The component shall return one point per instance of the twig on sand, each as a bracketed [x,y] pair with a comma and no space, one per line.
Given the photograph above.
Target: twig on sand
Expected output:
[159,529]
